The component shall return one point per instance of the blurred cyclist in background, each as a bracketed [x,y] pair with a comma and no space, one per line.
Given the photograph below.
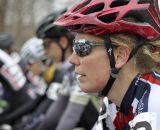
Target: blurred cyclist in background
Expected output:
[71,102]
[32,53]
[13,90]
[13,83]
[7,44]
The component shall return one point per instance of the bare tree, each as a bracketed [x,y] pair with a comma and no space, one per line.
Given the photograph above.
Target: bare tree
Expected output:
[19,18]
[23,16]
[3,8]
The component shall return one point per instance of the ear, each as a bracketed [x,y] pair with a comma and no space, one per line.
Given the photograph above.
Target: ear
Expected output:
[64,42]
[121,56]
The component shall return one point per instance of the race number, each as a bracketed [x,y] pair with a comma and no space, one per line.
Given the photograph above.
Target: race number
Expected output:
[144,121]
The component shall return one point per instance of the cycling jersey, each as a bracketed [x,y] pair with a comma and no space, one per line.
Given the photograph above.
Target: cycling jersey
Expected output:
[53,74]
[51,94]
[15,95]
[139,107]
[38,84]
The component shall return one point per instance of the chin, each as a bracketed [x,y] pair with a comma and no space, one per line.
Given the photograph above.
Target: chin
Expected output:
[84,89]
[87,90]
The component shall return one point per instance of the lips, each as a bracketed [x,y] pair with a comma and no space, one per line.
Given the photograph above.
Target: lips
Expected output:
[78,76]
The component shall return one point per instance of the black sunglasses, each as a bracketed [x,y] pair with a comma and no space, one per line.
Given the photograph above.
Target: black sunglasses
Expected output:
[83,47]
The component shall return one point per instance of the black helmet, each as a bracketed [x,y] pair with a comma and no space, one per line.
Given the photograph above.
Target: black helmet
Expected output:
[46,27]
[6,40]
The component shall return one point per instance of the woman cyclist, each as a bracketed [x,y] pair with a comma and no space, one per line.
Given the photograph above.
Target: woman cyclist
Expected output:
[116,53]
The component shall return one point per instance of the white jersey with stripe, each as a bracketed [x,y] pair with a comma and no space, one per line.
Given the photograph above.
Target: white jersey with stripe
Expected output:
[140,107]
[11,71]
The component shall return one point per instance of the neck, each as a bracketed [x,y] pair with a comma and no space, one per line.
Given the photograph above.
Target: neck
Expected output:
[122,82]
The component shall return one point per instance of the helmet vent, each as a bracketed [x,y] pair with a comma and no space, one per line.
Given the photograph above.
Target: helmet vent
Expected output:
[95,8]
[140,16]
[74,27]
[75,17]
[143,1]
[108,18]
[88,26]
[82,5]
[134,16]
[118,3]
[65,16]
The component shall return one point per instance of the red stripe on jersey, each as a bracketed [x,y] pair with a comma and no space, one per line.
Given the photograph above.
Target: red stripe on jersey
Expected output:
[122,119]
[150,78]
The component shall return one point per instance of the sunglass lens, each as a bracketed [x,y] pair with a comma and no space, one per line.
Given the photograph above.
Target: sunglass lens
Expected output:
[82,49]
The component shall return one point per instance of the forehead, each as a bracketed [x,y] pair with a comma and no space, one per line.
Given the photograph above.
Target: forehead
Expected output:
[88,37]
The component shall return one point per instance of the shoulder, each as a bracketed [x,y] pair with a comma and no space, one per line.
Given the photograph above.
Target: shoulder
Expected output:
[152,116]
[153,102]
[148,108]
[153,79]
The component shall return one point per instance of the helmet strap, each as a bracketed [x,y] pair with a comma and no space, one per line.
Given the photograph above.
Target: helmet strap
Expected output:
[140,43]
[63,51]
[114,71]
[61,47]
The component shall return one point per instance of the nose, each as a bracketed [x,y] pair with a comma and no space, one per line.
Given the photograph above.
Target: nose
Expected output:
[74,59]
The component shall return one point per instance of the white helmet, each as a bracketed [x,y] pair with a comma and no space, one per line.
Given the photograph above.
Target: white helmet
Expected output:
[33,50]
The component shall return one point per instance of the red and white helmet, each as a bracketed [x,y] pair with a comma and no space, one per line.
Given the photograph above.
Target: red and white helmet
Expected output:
[101,17]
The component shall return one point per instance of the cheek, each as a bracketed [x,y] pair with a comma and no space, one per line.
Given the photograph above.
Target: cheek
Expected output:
[99,76]
[53,52]
[56,51]
[98,71]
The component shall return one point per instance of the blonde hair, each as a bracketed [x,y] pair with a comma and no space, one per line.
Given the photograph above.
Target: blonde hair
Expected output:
[147,57]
